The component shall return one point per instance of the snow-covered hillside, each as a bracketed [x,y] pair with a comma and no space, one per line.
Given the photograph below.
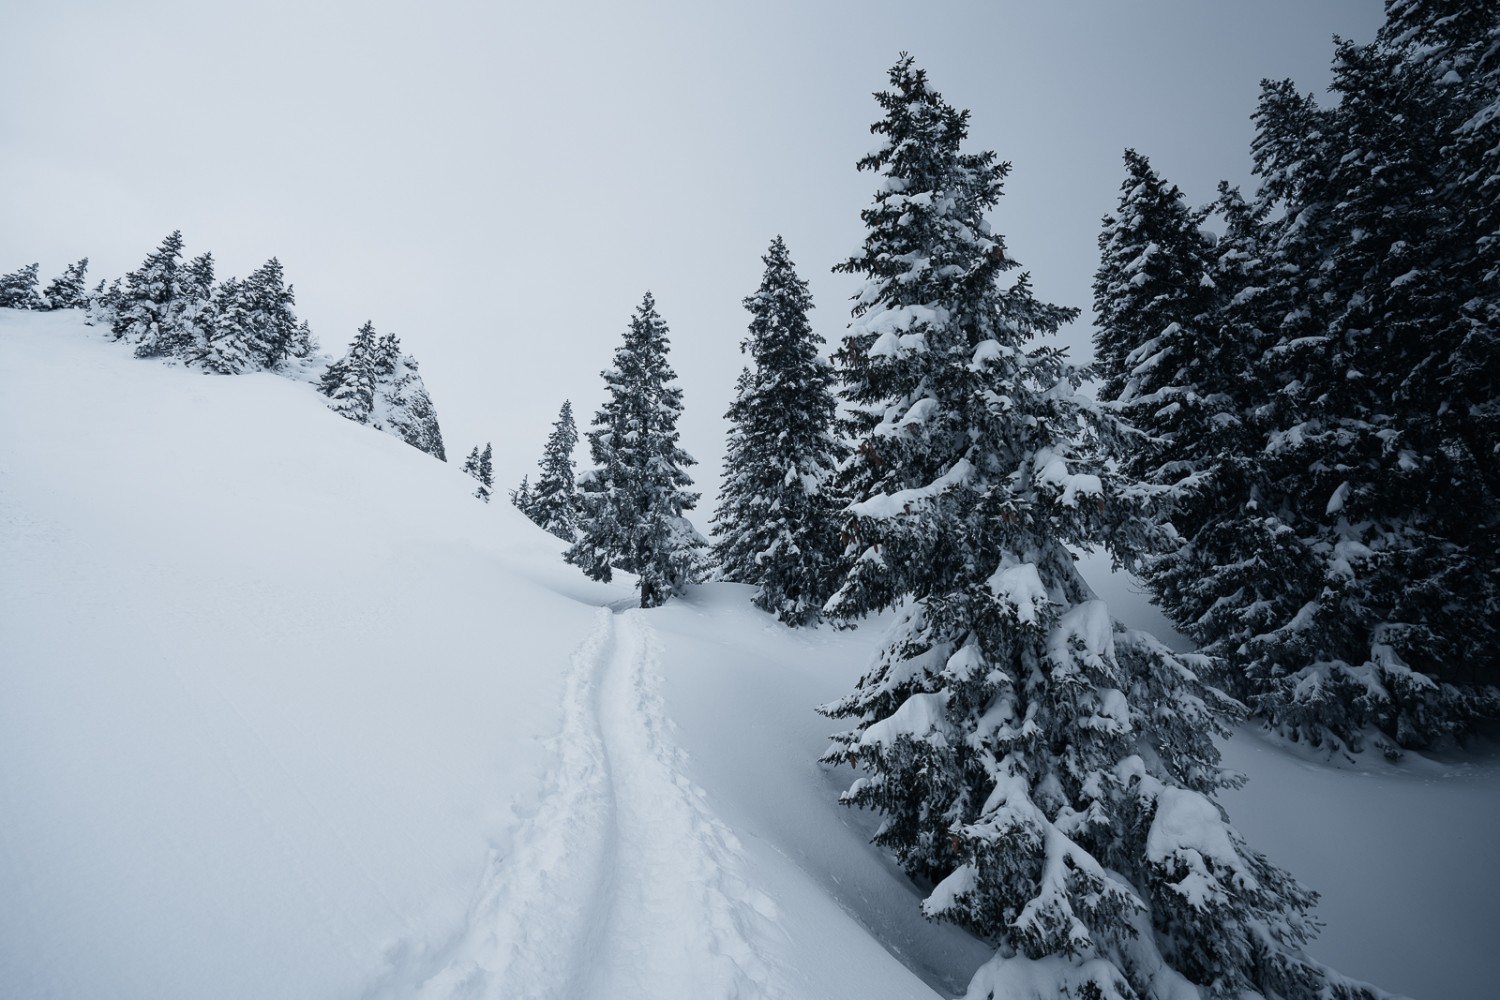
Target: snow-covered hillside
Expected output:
[285,712]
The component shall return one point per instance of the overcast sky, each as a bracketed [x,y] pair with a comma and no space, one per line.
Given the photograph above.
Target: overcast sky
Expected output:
[498,184]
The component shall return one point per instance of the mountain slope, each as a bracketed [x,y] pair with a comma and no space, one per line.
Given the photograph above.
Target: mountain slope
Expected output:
[280,699]
[284,711]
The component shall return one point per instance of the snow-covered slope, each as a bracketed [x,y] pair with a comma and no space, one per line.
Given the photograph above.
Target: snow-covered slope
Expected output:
[285,712]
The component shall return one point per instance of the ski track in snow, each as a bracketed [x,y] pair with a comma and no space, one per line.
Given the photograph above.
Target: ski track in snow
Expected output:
[623,884]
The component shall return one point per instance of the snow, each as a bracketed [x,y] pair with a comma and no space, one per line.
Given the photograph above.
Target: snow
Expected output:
[887,505]
[256,661]
[1187,823]
[1052,471]
[900,319]
[1336,501]
[921,716]
[1017,977]
[285,712]
[1020,586]
[1401,853]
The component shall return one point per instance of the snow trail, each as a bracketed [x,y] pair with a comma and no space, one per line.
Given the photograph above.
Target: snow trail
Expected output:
[623,884]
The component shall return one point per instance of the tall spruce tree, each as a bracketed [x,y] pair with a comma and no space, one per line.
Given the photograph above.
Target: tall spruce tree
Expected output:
[1158,354]
[68,290]
[1175,359]
[18,289]
[554,499]
[633,500]
[776,523]
[1050,771]
[1344,563]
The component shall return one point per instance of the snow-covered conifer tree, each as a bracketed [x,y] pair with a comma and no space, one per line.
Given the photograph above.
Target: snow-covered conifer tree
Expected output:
[18,290]
[1174,362]
[144,314]
[68,290]
[520,497]
[480,465]
[104,304]
[1355,588]
[554,500]
[268,303]
[192,315]
[776,523]
[349,382]
[1158,358]
[228,346]
[1050,771]
[633,500]
[304,344]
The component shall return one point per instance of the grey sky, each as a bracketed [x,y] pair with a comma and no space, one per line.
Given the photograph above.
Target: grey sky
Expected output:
[499,183]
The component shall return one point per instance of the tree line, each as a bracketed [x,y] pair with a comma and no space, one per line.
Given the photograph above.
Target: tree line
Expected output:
[179,311]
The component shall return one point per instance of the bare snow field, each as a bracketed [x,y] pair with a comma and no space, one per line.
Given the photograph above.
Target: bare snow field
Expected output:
[286,712]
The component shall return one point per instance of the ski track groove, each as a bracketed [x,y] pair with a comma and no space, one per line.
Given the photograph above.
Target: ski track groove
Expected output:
[623,884]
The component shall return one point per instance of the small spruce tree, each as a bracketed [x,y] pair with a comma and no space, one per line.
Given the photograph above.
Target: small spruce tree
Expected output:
[554,500]
[228,346]
[521,496]
[18,289]
[349,382]
[483,471]
[68,290]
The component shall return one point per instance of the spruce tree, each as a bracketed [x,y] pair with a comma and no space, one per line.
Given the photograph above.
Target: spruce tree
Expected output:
[1050,771]
[104,304]
[520,497]
[485,473]
[228,346]
[1158,357]
[192,315]
[633,500]
[1343,564]
[349,382]
[554,500]
[18,289]
[776,526]
[269,309]
[68,290]
[145,311]
[304,345]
